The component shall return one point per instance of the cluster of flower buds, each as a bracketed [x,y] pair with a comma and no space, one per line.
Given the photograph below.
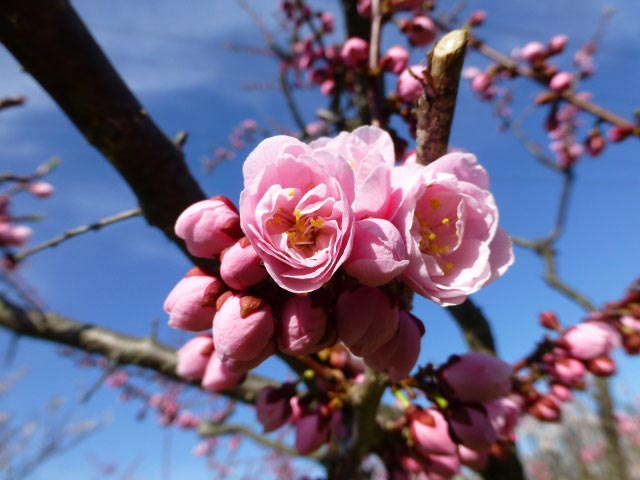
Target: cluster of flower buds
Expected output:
[13,233]
[245,133]
[585,347]
[473,417]
[342,231]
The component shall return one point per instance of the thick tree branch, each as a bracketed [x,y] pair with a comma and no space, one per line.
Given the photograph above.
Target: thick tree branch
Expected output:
[51,42]
[119,348]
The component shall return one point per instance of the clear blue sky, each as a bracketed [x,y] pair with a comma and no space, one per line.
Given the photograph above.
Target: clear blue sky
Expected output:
[175,60]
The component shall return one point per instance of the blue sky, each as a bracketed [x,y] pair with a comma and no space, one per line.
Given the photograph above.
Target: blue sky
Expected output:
[175,60]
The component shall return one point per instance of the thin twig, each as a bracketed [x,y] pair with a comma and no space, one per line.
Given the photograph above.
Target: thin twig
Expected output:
[292,105]
[136,212]
[8,102]
[376,80]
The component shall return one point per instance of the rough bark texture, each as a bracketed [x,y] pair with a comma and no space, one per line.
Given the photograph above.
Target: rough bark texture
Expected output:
[119,348]
[435,108]
[52,44]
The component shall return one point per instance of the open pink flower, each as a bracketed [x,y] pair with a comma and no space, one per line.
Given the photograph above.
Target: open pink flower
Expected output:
[449,221]
[370,153]
[297,211]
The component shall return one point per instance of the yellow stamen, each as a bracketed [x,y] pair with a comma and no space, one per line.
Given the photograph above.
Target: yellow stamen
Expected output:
[445,221]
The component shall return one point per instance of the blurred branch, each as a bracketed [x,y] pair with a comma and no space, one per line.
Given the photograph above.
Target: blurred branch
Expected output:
[214,429]
[119,348]
[136,212]
[55,47]
[435,109]
[8,102]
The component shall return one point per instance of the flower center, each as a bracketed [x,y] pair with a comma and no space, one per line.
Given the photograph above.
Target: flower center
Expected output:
[438,234]
[303,231]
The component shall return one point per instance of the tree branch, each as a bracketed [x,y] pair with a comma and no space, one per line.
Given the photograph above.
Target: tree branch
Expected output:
[435,109]
[119,348]
[52,43]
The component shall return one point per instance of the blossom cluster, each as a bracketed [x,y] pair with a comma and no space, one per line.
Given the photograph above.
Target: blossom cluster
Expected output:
[342,231]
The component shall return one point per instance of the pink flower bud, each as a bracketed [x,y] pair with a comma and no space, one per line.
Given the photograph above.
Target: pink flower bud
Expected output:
[355,52]
[558,43]
[430,432]
[617,134]
[304,328]
[243,327]
[187,419]
[568,371]
[602,366]
[477,377]
[442,467]
[243,366]
[209,226]
[589,340]
[595,143]
[194,356]
[365,319]
[378,255]
[477,18]
[504,414]
[546,408]
[482,82]
[312,430]
[399,355]
[421,30]
[41,189]
[218,377]
[473,459]
[471,426]
[395,60]
[364,8]
[561,392]
[533,52]
[15,235]
[328,21]
[240,265]
[549,320]
[273,406]
[561,81]
[409,87]
[328,86]
[191,303]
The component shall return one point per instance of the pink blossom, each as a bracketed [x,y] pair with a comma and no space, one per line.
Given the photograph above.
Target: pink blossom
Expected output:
[209,226]
[364,8]
[471,425]
[504,414]
[568,371]
[355,52]
[561,81]
[240,265]
[477,18]
[41,189]
[399,355]
[449,222]
[477,377]
[558,43]
[365,319]
[430,432]
[296,209]
[194,356]
[304,328]
[602,366]
[273,406]
[191,303]
[16,235]
[370,153]
[379,254]
[328,21]
[312,430]
[473,459]
[395,60]
[243,327]
[187,419]
[218,377]
[589,340]
[482,82]
[409,85]
[533,52]
[420,30]
[561,392]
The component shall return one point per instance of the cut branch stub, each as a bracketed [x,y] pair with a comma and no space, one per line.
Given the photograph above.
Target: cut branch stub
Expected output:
[435,110]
